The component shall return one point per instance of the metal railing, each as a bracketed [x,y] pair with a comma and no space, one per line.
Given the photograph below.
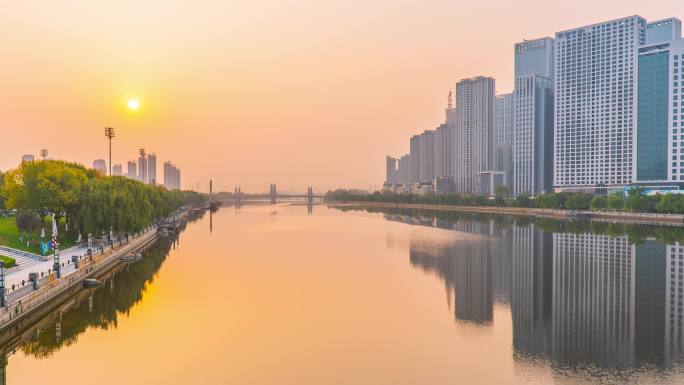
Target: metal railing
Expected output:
[21,299]
[24,253]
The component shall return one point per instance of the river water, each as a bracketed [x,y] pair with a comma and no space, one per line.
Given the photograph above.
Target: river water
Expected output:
[265,295]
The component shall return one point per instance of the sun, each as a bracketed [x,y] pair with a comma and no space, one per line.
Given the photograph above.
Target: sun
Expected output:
[133,104]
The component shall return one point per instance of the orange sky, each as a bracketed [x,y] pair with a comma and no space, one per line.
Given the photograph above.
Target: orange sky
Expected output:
[295,92]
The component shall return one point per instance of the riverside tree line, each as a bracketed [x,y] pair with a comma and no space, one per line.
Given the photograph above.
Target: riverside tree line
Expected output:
[88,201]
[634,201]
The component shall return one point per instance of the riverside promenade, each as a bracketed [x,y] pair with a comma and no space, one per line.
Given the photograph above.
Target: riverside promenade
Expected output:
[24,300]
[15,275]
[676,220]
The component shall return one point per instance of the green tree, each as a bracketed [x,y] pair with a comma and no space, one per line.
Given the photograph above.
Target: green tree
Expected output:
[615,201]
[2,198]
[578,201]
[501,192]
[670,203]
[523,200]
[92,202]
[49,185]
[551,200]
[636,200]
[28,221]
[599,202]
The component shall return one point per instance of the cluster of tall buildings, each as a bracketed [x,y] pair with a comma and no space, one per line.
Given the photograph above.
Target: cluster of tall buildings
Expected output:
[144,169]
[596,108]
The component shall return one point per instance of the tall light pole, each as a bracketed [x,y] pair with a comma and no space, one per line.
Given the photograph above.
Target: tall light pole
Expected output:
[44,153]
[109,133]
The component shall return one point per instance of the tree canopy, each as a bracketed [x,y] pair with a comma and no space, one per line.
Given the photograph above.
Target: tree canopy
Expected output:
[2,198]
[45,186]
[635,201]
[92,202]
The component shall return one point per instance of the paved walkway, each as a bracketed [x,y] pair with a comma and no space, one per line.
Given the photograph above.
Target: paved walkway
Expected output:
[15,275]
[22,262]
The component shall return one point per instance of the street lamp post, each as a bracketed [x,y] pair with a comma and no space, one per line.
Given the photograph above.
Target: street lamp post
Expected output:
[109,133]
[57,267]
[2,284]
[90,244]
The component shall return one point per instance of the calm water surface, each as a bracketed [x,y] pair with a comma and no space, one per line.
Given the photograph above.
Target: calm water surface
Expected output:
[355,297]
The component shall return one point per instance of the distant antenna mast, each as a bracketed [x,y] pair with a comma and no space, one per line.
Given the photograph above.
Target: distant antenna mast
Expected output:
[449,112]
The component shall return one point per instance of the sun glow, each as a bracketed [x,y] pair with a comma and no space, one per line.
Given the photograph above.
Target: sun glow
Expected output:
[133,104]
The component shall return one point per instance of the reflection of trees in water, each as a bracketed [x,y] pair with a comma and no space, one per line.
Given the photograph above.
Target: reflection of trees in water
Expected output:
[129,284]
[635,233]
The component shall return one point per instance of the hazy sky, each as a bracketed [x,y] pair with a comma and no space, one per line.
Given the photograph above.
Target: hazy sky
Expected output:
[299,93]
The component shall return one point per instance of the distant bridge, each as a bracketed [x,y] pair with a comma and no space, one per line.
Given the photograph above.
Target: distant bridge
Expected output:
[274,197]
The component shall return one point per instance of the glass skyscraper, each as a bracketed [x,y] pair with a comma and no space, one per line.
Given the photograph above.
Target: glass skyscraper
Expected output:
[533,121]
[659,141]
[652,127]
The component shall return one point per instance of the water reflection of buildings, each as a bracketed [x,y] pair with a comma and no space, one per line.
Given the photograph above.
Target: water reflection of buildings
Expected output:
[674,287]
[575,298]
[465,267]
[530,288]
[473,270]
[593,300]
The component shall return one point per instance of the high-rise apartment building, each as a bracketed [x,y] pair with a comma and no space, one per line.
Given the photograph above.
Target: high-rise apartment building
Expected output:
[391,170]
[100,165]
[426,163]
[472,141]
[117,170]
[503,135]
[532,156]
[533,138]
[152,168]
[450,121]
[663,30]
[534,57]
[441,151]
[503,122]
[171,176]
[142,167]
[595,104]
[27,158]
[132,170]
[405,172]
[414,153]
